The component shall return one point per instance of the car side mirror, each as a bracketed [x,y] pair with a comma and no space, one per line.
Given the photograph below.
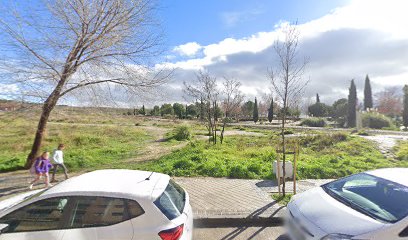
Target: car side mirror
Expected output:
[3,227]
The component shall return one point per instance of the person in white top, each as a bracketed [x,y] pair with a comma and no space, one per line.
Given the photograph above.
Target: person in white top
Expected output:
[58,160]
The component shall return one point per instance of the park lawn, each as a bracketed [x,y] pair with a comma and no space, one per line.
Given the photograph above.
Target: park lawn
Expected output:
[87,147]
[322,156]
[402,150]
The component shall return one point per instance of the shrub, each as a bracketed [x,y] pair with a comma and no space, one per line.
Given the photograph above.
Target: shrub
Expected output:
[363,133]
[214,168]
[183,164]
[255,168]
[402,151]
[182,133]
[239,171]
[313,122]
[376,120]
[288,132]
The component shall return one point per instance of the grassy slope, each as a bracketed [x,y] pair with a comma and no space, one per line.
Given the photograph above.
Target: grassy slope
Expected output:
[100,139]
[322,156]
[87,145]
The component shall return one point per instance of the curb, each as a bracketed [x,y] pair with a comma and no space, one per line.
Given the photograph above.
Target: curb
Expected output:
[238,222]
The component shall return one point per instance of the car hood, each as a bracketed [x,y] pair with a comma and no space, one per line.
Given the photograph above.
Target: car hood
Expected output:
[332,216]
[10,202]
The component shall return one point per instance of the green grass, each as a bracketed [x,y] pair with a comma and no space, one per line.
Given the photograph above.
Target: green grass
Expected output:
[282,200]
[238,157]
[115,139]
[322,156]
[402,151]
[86,146]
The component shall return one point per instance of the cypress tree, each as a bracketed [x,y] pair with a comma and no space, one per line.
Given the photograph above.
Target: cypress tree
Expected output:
[368,97]
[255,115]
[270,112]
[405,111]
[317,98]
[352,104]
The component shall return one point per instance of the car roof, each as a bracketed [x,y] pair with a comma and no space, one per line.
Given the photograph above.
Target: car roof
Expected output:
[112,182]
[398,175]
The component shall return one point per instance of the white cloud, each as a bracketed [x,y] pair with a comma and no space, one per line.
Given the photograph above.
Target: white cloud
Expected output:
[233,18]
[188,49]
[8,90]
[364,37]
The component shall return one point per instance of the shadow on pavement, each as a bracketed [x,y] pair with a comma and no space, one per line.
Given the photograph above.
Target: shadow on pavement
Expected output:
[242,224]
[266,183]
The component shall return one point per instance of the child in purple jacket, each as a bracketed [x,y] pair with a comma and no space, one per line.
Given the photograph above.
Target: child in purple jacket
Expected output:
[42,166]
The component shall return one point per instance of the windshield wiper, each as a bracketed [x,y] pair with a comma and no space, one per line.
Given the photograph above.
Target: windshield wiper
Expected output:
[353,205]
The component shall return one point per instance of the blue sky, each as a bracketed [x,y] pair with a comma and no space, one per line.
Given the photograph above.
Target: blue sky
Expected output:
[206,22]
[344,40]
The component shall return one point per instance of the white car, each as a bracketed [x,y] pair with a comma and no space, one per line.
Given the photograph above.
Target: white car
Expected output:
[371,205]
[104,204]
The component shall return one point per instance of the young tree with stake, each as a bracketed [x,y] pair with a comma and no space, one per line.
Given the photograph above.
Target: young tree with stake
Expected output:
[287,79]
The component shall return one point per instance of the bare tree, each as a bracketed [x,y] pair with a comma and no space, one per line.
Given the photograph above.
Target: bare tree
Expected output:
[87,45]
[287,79]
[389,101]
[207,91]
[232,101]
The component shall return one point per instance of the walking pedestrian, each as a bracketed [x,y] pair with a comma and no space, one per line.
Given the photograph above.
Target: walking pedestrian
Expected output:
[58,160]
[41,168]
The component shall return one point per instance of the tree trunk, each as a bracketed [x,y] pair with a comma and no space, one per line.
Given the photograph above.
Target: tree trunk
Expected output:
[222,131]
[48,106]
[45,114]
[215,122]
[283,154]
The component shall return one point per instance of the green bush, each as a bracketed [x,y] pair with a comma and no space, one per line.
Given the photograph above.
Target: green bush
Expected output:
[212,168]
[239,171]
[363,133]
[313,122]
[182,133]
[183,164]
[402,151]
[376,120]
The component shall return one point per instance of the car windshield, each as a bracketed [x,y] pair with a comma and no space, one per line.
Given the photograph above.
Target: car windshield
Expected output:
[378,198]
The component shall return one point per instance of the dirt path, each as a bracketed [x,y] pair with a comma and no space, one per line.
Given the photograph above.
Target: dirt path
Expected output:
[386,143]
[157,147]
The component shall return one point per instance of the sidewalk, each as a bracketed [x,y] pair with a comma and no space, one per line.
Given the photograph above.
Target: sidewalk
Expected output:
[219,199]
[212,199]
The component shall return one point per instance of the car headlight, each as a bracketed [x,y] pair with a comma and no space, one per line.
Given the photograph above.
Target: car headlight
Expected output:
[337,236]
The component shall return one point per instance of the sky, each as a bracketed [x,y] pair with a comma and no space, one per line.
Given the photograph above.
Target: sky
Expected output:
[343,40]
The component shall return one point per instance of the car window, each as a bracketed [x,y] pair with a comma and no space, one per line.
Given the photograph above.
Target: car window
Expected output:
[171,202]
[42,215]
[376,197]
[102,211]
[134,209]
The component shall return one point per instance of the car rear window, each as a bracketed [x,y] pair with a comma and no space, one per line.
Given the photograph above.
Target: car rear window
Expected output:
[171,202]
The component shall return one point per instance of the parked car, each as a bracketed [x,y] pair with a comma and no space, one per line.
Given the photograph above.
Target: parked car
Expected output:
[104,204]
[370,205]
